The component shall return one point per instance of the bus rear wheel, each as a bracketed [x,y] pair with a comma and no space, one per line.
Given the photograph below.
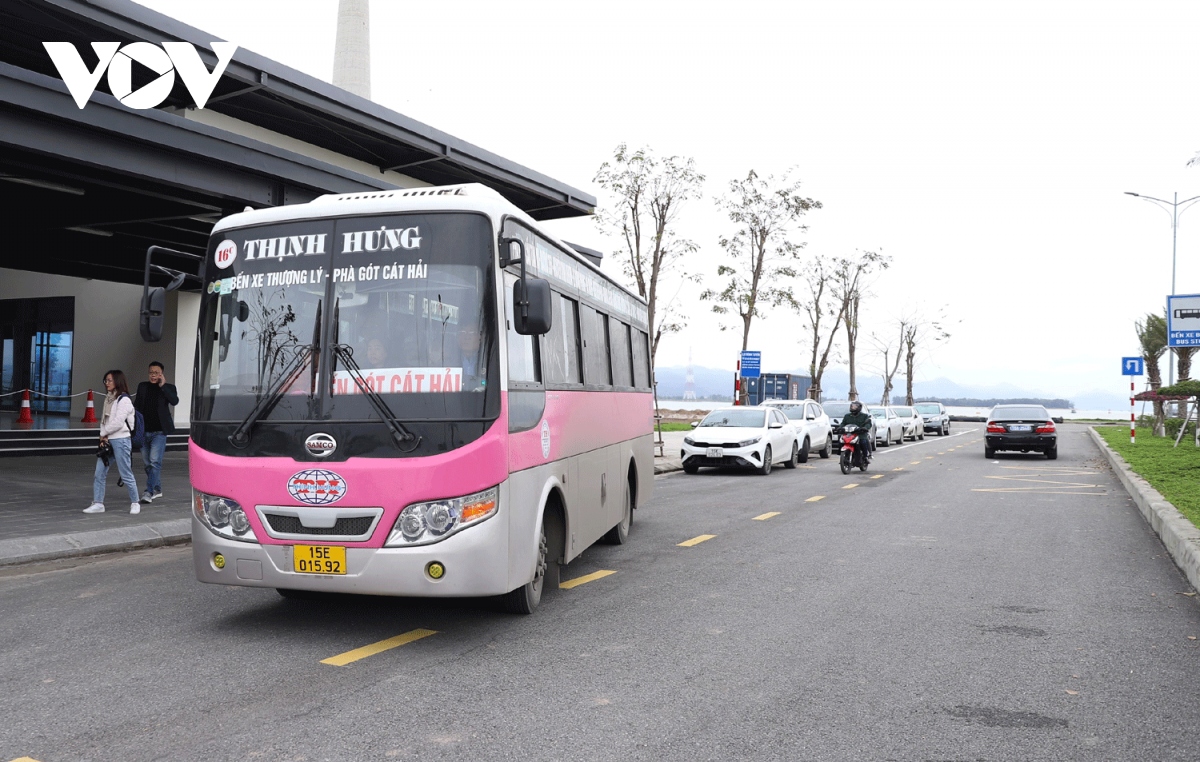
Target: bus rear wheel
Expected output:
[619,534]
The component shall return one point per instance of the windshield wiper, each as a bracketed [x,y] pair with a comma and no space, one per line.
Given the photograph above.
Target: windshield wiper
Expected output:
[241,435]
[344,352]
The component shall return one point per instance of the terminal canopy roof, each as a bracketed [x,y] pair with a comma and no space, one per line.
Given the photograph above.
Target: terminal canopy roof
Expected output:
[88,190]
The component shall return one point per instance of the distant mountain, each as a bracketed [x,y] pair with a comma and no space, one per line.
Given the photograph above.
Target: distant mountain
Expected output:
[716,382]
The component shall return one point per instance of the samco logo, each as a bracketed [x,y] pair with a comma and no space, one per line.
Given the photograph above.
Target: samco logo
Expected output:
[317,486]
[118,61]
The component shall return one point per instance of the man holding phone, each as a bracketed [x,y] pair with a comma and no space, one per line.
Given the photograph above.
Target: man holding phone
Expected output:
[154,398]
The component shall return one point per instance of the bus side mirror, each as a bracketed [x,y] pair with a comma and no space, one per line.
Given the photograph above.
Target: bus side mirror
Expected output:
[154,305]
[531,307]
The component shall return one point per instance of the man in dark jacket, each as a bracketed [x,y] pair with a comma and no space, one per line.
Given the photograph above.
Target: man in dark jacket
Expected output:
[863,420]
[153,400]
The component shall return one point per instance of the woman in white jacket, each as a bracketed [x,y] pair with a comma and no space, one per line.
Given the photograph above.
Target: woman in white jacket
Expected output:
[116,424]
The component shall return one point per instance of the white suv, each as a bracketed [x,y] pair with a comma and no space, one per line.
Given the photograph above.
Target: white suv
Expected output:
[812,425]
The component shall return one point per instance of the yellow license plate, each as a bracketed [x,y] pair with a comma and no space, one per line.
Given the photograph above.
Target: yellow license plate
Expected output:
[319,559]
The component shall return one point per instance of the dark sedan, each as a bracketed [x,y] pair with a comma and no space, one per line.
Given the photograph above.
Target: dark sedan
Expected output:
[1023,428]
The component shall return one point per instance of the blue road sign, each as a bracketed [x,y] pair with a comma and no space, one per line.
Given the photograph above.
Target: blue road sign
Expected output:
[1183,320]
[751,364]
[1133,366]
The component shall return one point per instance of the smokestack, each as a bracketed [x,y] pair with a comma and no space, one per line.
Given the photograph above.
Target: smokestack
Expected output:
[352,51]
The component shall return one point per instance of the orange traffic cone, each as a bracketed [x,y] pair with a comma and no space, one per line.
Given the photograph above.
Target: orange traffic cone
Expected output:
[89,415]
[26,413]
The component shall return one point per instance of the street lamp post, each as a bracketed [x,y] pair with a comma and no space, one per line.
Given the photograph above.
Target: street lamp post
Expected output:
[1171,208]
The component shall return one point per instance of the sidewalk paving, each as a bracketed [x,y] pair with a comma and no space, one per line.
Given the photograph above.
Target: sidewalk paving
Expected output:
[42,501]
[670,460]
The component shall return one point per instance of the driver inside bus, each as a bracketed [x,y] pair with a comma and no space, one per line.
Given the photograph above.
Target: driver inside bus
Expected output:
[473,371]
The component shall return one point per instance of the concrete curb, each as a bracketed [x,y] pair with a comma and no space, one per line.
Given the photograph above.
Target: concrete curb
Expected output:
[1180,536]
[24,550]
[666,466]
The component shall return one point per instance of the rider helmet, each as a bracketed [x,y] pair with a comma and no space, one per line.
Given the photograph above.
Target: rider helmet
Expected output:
[855,406]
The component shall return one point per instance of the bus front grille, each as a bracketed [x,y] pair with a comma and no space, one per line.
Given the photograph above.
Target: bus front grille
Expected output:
[343,527]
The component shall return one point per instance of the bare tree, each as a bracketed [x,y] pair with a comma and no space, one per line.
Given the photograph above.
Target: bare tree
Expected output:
[848,288]
[891,363]
[820,313]
[760,253]
[917,336]
[649,194]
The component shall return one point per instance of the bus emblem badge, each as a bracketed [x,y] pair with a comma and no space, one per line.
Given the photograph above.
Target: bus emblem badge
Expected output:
[320,445]
[317,487]
[225,254]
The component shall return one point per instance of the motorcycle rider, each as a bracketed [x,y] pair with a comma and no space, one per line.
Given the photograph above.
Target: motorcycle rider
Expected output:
[860,418]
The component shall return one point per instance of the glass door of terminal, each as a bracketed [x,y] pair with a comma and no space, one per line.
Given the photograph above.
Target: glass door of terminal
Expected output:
[36,352]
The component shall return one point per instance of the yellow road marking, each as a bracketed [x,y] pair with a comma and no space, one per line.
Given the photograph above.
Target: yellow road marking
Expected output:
[941,453]
[898,468]
[342,660]
[815,498]
[24,759]
[915,463]
[765,516]
[584,579]
[877,476]
[696,540]
[928,457]
[851,485]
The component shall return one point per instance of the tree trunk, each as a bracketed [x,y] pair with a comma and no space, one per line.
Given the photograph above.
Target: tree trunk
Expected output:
[1154,375]
[851,321]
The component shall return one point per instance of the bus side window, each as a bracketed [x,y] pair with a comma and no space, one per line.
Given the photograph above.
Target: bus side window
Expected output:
[560,347]
[641,360]
[592,324]
[622,360]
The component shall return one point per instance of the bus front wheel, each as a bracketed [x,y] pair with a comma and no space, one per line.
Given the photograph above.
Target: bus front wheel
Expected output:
[525,599]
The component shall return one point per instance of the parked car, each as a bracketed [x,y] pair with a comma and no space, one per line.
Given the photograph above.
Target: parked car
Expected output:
[935,416]
[836,411]
[888,426]
[914,424]
[741,437]
[812,425]
[1027,428]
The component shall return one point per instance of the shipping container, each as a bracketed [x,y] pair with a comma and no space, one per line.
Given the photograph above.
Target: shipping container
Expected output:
[776,386]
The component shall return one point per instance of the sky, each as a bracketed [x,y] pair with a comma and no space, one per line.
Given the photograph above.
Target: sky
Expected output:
[985,147]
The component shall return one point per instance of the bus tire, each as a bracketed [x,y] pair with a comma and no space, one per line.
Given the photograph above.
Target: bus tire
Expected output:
[525,599]
[619,534]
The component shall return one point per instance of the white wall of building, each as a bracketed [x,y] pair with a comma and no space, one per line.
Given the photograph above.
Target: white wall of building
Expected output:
[106,333]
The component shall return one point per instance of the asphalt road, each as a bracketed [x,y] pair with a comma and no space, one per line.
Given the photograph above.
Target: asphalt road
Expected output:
[945,607]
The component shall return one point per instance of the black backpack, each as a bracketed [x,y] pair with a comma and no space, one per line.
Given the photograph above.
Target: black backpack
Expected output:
[137,432]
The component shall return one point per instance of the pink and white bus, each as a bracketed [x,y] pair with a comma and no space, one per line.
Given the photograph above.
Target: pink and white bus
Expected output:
[412,392]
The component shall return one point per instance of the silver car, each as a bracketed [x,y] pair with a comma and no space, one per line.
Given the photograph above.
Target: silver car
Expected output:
[888,426]
[914,424]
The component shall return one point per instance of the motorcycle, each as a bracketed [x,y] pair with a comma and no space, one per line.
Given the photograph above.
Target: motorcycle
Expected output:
[852,454]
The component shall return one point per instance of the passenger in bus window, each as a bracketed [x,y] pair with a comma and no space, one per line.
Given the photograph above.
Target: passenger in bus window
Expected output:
[377,353]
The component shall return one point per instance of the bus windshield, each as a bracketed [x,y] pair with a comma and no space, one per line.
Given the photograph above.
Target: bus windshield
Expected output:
[316,309]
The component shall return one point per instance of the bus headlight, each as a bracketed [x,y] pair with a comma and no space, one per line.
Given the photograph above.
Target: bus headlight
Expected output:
[224,517]
[423,523]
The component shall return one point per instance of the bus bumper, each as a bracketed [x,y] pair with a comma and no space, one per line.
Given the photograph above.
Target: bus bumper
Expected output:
[476,562]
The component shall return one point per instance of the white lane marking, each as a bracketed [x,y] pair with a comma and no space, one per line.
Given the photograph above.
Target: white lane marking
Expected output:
[928,440]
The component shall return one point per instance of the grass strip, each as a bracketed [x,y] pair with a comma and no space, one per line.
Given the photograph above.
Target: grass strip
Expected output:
[1175,472]
[676,426]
